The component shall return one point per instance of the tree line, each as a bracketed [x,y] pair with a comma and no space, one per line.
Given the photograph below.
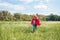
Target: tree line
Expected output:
[6,16]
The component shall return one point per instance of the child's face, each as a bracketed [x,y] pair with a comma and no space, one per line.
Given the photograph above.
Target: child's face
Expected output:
[34,17]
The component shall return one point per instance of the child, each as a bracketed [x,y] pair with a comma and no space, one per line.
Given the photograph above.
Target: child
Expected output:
[35,22]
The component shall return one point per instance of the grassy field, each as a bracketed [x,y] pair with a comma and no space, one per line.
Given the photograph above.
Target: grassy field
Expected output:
[21,30]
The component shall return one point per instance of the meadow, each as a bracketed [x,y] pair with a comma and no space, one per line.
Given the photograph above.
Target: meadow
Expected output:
[22,30]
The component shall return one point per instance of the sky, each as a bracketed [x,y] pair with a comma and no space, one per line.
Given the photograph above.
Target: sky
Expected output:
[43,7]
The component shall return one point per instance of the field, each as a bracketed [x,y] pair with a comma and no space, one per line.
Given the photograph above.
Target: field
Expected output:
[22,30]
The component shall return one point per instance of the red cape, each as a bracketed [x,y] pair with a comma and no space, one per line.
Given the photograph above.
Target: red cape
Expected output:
[38,22]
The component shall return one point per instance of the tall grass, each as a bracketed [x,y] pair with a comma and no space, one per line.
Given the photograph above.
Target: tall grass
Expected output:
[23,31]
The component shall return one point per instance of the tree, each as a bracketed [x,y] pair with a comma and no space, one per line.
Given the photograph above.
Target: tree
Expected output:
[51,17]
[16,16]
[59,18]
[5,15]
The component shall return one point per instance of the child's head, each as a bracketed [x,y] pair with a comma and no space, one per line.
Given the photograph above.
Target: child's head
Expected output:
[35,17]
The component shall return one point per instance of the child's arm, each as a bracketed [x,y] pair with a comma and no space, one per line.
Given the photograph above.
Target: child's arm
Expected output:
[31,21]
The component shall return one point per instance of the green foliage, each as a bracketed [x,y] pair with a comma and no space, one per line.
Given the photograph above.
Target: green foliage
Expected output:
[53,18]
[6,16]
[17,16]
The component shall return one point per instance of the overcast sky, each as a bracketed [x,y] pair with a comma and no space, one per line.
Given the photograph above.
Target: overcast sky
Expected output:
[44,7]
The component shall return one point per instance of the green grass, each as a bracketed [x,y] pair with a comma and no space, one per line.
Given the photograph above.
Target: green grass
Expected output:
[11,30]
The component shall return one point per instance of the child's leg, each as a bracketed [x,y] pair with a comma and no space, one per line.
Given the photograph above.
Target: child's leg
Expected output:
[34,28]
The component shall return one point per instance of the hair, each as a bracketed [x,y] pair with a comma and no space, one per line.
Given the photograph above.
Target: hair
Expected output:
[35,16]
